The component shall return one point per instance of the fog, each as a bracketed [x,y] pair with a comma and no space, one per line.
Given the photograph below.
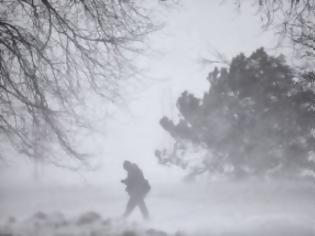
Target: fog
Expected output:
[221,208]
[43,199]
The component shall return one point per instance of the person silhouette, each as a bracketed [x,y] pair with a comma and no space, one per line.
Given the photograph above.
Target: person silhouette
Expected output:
[137,188]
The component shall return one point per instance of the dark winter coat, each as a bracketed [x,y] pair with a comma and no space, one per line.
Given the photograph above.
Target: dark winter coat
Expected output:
[136,184]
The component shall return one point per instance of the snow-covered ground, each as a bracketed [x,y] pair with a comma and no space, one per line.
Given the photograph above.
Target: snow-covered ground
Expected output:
[213,209]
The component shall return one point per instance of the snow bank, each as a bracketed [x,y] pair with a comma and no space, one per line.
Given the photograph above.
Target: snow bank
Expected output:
[86,224]
[92,224]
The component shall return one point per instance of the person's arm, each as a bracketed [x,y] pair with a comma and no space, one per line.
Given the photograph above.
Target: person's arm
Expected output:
[126,181]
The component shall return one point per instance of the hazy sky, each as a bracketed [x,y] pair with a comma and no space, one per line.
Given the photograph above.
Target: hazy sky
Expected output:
[193,30]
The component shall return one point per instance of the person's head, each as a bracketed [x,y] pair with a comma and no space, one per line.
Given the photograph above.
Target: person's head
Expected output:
[127,165]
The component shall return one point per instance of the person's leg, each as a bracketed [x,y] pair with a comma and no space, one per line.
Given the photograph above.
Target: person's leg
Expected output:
[130,206]
[143,208]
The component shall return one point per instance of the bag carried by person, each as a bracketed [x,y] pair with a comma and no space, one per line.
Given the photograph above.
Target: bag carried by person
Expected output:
[146,186]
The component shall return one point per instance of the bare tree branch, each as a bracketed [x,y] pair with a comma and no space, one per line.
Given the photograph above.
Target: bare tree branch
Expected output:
[50,53]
